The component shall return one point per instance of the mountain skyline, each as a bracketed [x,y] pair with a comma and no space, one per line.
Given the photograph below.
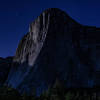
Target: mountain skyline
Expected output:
[56,47]
[15,17]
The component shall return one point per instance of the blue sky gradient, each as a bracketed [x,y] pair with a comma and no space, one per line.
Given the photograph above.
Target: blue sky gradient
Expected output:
[15,16]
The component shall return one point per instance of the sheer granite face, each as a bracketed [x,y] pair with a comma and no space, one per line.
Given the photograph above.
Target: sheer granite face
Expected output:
[56,47]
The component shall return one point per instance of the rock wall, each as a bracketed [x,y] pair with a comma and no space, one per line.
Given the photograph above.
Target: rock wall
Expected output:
[56,47]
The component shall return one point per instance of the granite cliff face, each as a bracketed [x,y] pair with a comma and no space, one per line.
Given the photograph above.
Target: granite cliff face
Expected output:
[56,47]
[32,42]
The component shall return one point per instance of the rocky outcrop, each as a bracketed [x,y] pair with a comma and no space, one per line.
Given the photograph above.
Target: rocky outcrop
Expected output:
[56,47]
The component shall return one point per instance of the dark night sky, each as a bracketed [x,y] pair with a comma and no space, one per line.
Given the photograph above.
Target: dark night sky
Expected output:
[15,16]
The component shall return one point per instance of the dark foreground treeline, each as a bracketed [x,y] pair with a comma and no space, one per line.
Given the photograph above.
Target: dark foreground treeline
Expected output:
[57,92]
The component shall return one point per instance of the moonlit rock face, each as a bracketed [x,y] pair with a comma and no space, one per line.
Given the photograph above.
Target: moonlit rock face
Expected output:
[32,42]
[56,47]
